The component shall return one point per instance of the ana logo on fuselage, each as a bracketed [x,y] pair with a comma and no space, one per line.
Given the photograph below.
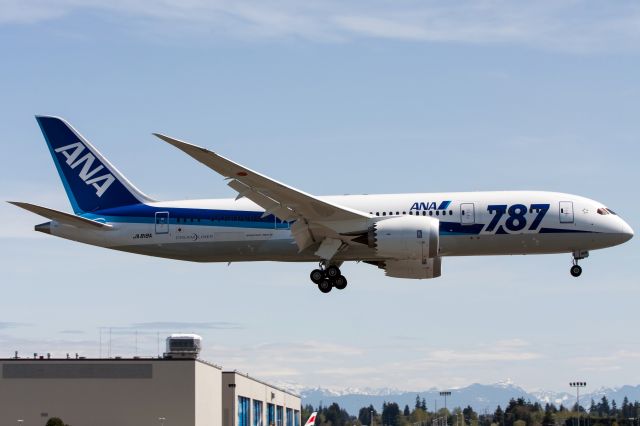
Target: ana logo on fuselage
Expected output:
[72,152]
[430,206]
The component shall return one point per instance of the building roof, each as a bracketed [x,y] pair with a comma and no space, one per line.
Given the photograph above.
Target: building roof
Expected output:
[115,359]
[246,375]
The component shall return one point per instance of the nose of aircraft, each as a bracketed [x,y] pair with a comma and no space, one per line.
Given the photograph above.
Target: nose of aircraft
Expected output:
[626,231]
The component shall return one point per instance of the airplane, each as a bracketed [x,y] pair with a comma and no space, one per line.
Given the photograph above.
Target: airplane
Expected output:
[406,235]
[311,421]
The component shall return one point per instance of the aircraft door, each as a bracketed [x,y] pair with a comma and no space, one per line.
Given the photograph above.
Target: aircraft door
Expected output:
[467,214]
[566,212]
[162,222]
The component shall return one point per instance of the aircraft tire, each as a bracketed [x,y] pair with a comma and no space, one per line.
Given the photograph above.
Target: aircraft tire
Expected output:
[332,272]
[317,276]
[325,286]
[340,282]
[576,270]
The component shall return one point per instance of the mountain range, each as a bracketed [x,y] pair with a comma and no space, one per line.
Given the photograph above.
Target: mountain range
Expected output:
[483,398]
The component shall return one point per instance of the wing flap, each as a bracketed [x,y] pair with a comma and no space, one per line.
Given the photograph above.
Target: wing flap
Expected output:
[62,217]
[270,205]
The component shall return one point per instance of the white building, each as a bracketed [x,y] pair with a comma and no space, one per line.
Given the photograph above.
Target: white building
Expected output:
[173,390]
[256,403]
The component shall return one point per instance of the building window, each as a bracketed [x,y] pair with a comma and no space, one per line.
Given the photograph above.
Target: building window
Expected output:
[296,418]
[289,417]
[271,415]
[279,415]
[243,411]
[257,413]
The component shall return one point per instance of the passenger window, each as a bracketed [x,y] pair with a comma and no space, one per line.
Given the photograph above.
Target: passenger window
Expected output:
[410,213]
[377,213]
[384,213]
[437,212]
[430,212]
[450,212]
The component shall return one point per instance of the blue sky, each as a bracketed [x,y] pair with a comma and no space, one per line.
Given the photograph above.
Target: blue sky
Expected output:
[333,98]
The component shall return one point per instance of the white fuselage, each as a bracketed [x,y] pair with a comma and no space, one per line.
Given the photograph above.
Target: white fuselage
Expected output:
[470,223]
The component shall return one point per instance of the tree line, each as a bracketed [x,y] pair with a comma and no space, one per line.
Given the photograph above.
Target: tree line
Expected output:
[518,412]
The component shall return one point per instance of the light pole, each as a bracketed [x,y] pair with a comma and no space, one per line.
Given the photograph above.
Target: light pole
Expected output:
[20,421]
[446,415]
[578,385]
[161,420]
[371,422]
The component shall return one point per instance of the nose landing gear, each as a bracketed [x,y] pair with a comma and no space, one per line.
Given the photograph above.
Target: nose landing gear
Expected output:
[328,277]
[576,270]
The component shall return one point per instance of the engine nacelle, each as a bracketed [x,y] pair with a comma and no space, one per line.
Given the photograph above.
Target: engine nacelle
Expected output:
[406,238]
[414,269]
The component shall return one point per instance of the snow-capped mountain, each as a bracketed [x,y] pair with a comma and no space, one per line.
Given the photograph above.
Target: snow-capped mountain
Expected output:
[483,398]
[552,397]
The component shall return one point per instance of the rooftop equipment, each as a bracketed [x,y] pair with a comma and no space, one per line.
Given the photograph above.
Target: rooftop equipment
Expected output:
[186,346]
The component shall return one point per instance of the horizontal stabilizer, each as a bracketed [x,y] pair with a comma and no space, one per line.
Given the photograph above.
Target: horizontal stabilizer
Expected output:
[62,217]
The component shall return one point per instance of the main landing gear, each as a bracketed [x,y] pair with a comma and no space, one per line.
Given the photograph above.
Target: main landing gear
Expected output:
[328,277]
[576,270]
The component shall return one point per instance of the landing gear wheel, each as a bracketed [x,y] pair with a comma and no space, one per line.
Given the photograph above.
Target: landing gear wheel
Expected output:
[317,276]
[325,286]
[576,270]
[332,272]
[340,282]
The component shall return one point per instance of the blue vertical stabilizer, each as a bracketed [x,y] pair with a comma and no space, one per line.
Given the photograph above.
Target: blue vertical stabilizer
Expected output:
[91,182]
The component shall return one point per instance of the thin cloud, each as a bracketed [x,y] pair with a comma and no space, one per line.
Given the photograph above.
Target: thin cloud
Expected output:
[306,363]
[607,362]
[579,26]
[185,325]
[9,324]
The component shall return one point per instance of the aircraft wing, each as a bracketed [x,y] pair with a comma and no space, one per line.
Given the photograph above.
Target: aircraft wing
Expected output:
[316,219]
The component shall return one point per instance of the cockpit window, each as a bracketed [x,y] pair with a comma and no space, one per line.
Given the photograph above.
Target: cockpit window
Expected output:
[611,211]
[602,211]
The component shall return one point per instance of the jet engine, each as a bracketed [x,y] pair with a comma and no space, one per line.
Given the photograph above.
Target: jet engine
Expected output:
[412,268]
[404,238]
[409,244]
